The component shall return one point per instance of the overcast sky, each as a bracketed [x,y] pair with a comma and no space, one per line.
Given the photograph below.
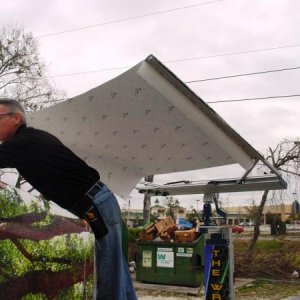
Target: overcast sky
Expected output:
[195,39]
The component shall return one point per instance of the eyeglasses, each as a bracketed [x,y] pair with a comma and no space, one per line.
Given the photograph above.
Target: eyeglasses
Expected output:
[7,114]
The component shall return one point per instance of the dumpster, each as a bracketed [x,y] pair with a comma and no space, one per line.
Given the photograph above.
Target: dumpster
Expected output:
[171,263]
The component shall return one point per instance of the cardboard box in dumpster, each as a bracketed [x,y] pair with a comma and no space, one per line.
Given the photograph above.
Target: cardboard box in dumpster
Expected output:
[146,236]
[164,225]
[186,235]
[166,230]
[148,233]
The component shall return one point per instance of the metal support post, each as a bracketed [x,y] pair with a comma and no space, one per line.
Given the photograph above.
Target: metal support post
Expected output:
[218,255]
[219,264]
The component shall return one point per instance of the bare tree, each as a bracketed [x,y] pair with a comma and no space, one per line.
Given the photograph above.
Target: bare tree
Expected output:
[22,74]
[286,158]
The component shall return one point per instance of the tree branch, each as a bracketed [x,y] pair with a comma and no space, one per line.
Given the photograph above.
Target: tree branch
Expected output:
[24,230]
[25,219]
[47,282]
[33,258]
[290,172]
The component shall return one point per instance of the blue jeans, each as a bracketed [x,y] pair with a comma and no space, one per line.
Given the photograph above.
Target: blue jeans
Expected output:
[113,276]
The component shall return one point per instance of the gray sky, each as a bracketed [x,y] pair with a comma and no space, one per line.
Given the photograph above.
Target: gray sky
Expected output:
[203,37]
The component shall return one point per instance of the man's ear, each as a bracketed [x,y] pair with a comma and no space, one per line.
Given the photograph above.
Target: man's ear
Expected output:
[17,118]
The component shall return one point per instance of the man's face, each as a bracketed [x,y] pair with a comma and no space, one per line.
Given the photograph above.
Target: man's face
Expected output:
[9,123]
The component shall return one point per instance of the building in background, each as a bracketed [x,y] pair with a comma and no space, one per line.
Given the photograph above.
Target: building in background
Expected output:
[239,215]
[134,217]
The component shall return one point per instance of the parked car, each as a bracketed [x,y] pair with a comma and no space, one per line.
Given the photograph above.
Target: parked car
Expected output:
[247,223]
[237,229]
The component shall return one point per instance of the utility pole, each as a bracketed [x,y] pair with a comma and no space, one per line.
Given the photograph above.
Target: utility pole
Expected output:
[128,216]
[295,208]
[197,204]
[147,201]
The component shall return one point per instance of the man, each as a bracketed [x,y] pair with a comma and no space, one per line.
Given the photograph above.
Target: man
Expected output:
[61,176]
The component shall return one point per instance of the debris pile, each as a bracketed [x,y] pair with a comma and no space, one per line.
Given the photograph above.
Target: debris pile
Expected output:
[169,231]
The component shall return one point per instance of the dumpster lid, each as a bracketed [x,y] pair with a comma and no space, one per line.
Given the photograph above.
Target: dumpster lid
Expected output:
[145,121]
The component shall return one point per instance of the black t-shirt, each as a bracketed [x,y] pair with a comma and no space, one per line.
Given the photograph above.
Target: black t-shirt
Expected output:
[49,166]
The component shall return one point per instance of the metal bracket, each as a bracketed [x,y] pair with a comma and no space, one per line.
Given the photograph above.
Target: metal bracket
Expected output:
[248,171]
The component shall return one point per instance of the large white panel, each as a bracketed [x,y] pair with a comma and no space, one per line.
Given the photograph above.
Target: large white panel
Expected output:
[141,123]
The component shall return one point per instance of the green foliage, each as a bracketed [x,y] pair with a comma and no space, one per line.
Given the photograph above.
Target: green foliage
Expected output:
[11,204]
[133,234]
[153,217]
[269,245]
[267,289]
[171,204]
[35,297]
[8,254]
[77,292]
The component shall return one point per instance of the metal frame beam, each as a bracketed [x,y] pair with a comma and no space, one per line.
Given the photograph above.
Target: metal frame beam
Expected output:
[216,186]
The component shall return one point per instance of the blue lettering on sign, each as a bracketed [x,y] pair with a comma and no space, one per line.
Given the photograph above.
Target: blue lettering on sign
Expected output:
[161,256]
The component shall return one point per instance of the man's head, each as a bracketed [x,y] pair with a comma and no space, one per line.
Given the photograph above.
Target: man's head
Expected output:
[12,116]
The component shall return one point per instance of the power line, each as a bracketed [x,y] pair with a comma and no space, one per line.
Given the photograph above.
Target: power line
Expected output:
[211,102]
[127,19]
[232,76]
[195,58]
[234,53]
[245,74]
[253,99]
[197,80]
[87,72]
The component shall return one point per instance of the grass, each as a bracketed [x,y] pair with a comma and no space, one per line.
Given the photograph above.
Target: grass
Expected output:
[265,289]
[272,259]
[269,245]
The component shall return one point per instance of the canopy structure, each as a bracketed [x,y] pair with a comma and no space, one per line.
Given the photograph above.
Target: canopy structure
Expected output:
[214,186]
[145,121]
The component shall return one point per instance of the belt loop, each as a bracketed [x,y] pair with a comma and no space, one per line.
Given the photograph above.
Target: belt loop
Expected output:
[91,193]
